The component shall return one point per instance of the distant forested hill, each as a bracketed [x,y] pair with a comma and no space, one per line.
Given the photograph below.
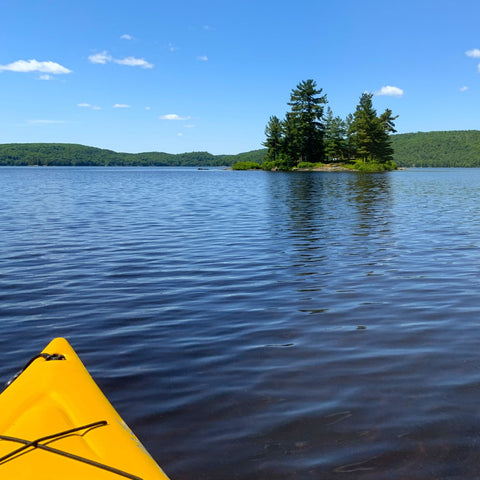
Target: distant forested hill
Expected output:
[257,156]
[459,148]
[422,149]
[65,154]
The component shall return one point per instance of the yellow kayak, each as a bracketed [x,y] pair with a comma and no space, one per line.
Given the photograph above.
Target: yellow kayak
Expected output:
[55,423]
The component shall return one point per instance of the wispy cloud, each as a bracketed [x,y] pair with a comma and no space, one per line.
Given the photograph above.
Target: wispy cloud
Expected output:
[464,88]
[121,105]
[390,91]
[101,58]
[474,53]
[88,105]
[26,66]
[172,47]
[202,58]
[104,57]
[126,36]
[134,62]
[172,116]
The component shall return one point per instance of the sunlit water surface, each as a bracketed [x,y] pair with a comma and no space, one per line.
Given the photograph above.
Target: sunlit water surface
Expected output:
[256,325]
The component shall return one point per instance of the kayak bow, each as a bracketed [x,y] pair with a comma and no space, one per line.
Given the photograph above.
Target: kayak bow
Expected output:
[55,422]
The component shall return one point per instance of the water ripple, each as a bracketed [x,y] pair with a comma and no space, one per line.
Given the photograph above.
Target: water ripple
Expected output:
[257,325]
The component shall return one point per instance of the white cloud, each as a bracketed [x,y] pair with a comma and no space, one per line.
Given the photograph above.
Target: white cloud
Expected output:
[25,66]
[88,105]
[189,126]
[126,36]
[104,57]
[148,108]
[172,47]
[463,89]
[121,105]
[101,58]
[172,116]
[202,58]
[179,134]
[474,53]
[390,91]
[45,76]
[134,62]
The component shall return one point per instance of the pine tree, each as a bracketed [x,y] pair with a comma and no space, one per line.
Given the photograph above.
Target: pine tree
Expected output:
[308,135]
[350,149]
[365,127]
[371,134]
[384,151]
[274,140]
[335,138]
[291,149]
[306,114]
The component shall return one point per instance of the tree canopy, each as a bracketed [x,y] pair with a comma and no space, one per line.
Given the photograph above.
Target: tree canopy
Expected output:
[306,117]
[370,133]
[309,134]
[66,154]
[298,138]
[456,148]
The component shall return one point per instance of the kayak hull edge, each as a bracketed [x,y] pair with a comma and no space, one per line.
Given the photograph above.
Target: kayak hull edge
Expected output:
[55,395]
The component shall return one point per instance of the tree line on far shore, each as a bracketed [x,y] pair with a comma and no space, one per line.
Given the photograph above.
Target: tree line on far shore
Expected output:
[453,148]
[310,134]
[456,148]
[68,154]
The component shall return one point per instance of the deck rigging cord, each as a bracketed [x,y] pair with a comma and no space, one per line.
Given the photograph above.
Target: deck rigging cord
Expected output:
[45,356]
[37,444]
[33,444]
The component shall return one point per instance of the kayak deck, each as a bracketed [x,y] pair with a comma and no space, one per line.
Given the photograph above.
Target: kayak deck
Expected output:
[56,423]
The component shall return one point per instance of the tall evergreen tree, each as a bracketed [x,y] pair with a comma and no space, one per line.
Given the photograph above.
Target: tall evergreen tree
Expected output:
[370,133]
[274,140]
[335,138]
[308,135]
[387,118]
[384,151]
[350,149]
[307,105]
[365,127]
[291,146]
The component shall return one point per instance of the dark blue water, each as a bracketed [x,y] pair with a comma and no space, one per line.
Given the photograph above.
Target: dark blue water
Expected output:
[256,325]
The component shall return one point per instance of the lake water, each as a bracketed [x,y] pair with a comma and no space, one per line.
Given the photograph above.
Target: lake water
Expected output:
[255,325]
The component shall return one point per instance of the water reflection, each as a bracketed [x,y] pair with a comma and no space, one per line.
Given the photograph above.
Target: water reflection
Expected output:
[335,229]
[281,326]
[372,197]
[315,210]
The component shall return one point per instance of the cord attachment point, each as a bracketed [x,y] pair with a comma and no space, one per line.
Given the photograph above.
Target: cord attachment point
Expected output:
[53,356]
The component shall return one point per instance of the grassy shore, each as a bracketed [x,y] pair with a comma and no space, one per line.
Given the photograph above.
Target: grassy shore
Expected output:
[325,168]
[359,166]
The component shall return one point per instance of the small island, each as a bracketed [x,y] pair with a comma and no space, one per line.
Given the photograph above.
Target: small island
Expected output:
[312,138]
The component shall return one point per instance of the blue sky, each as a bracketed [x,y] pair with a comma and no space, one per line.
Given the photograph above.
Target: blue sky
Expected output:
[145,75]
